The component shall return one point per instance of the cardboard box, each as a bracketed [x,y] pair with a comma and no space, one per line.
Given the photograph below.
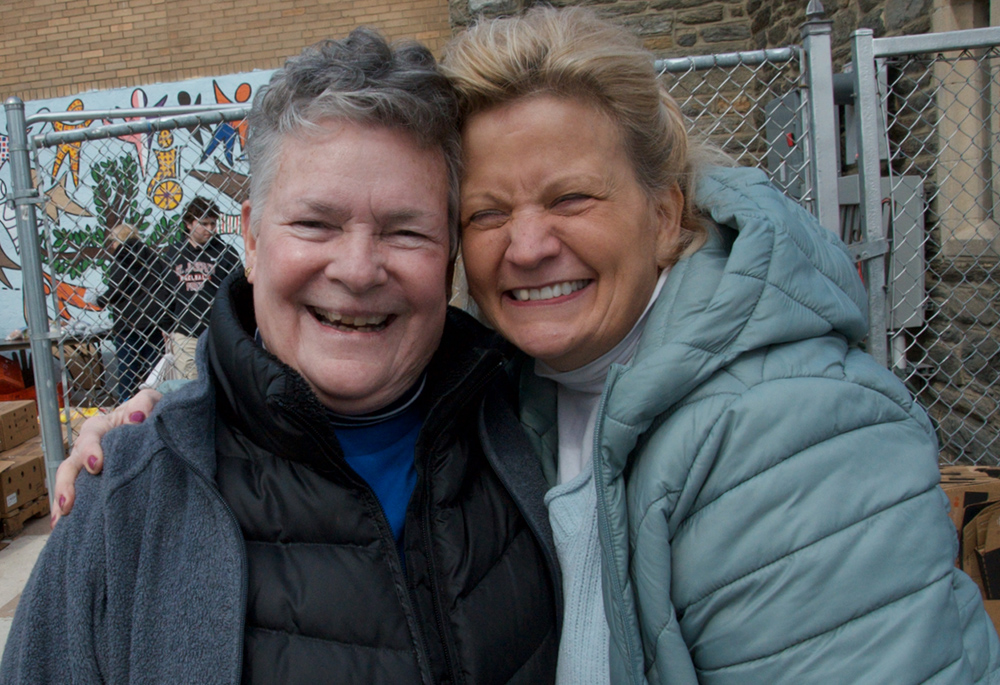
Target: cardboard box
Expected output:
[969,489]
[13,523]
[18,423]
[993,610]
[981,550]
[22,480]
[83,364]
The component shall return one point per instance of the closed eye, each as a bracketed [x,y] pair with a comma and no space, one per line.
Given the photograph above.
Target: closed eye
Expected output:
[406,234]
[486,218]
[571,200]
[311,224]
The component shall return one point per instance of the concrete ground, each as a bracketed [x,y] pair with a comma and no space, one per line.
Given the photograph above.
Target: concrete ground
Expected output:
[16,562]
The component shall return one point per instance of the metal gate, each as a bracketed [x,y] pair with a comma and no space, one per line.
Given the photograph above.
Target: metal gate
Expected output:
[927,159]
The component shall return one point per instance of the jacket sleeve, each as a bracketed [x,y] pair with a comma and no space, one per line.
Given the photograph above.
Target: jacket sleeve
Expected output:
[116,283]
[161,285]
[57,631]
[812,544]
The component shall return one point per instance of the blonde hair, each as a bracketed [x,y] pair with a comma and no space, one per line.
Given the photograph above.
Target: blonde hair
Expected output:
[572,53]
[121,233]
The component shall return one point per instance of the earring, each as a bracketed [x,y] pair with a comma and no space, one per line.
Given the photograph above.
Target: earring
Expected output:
[247,270]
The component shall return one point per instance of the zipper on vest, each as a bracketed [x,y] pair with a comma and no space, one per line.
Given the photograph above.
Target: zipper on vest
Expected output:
[214,493]
[486,375]
[423,653]
[320,439]
[425,521]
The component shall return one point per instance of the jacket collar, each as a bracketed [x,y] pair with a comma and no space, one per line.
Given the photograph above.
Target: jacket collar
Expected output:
[185,420]
[274,406]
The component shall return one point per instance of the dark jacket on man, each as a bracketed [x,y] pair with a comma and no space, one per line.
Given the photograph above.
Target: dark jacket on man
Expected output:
[196,272]
[138,293]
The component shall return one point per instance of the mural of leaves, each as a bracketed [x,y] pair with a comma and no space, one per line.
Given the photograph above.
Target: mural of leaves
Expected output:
[116,185]
[115,188]
[168,230]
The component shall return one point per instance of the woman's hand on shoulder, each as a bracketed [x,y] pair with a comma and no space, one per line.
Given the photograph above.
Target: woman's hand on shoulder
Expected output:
[87,453]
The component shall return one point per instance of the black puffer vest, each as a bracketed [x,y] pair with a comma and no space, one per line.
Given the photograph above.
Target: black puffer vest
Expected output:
[327,598]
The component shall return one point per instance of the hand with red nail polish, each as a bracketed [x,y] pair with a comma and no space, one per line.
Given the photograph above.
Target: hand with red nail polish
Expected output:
[87,453]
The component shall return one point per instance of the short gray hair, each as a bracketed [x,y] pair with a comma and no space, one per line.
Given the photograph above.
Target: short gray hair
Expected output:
[365,80]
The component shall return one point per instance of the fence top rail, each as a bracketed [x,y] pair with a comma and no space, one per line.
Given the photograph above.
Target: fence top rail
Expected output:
[157,112]
[212,115]
[726,59]
[937,42]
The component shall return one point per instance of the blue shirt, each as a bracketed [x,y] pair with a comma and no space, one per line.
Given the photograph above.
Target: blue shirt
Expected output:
[382,454]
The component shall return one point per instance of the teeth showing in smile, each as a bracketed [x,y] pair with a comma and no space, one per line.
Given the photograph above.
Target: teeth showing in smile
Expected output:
[363,324]
[548,292]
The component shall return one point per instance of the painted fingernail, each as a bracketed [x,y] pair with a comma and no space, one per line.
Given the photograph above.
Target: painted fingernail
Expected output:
[92,461]
[62,501]
[137,417]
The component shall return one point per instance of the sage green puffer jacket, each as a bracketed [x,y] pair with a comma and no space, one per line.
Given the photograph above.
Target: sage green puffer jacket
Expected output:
[768,500]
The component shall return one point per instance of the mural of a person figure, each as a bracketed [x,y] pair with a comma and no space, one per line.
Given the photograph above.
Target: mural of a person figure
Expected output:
[139,296]
[197,267]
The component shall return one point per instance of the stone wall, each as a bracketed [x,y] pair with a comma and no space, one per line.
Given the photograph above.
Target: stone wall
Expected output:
[674,28]
[669,28]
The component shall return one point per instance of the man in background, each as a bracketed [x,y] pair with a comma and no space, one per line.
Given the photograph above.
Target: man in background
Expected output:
[197,268]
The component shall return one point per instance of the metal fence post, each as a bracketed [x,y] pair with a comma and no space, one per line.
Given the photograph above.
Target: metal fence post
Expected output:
[868,108]
[24,199]
[822,122]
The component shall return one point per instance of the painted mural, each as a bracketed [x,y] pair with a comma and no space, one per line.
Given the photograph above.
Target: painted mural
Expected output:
[144,179]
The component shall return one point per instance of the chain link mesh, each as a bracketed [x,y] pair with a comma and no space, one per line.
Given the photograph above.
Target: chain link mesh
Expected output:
[753,111]
[128,282]
[943,123]
[942,218]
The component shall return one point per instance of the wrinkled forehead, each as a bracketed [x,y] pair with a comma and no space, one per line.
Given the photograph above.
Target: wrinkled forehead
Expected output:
[390,162]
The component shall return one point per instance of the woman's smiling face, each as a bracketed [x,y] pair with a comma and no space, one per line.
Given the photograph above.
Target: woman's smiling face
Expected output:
[562,246]
[350,262]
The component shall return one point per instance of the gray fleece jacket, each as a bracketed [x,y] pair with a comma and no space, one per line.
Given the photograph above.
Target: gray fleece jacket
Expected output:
[172,612]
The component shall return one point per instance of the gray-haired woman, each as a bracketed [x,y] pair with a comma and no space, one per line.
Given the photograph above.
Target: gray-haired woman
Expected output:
[329,501]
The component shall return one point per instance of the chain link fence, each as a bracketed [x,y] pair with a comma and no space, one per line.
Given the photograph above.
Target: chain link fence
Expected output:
[135,240]
[750,105]
[941,183]
[122,269]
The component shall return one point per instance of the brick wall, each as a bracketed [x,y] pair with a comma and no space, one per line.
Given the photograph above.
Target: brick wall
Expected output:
[52,48]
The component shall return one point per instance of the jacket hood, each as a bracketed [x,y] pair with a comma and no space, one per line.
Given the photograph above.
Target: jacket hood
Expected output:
[768,274]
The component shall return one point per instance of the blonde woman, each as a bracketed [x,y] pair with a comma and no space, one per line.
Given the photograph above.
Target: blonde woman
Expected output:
[739,494]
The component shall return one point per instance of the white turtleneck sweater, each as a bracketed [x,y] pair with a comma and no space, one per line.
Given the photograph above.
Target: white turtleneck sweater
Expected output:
[572,505]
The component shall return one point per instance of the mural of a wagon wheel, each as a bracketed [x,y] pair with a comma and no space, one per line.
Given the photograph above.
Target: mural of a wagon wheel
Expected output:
[167,194]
